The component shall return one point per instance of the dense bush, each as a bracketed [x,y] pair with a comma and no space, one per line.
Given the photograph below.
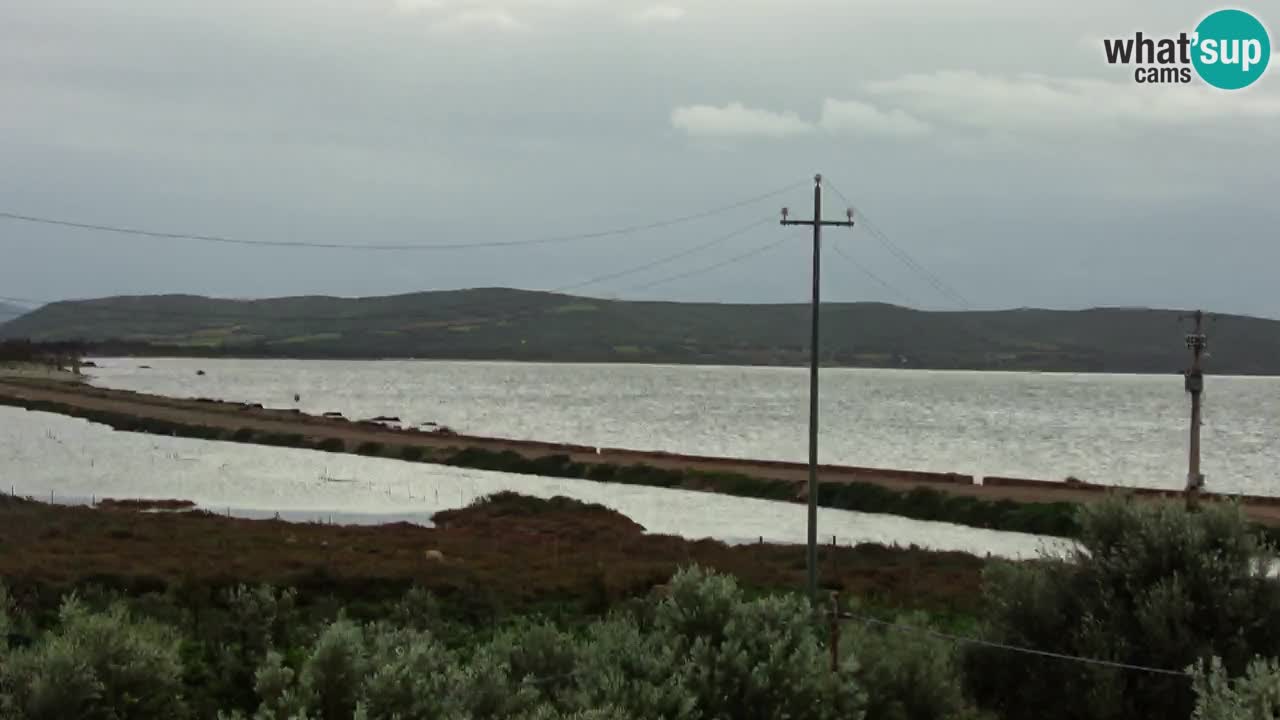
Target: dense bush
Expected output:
[706,651]
[95,665]
[622,666]
[922,503]
[745,485]
[907,676]
[283,439]
[709,653]
[370,448]
[332,444]
[1148,585]
[750,659]
[1252,696]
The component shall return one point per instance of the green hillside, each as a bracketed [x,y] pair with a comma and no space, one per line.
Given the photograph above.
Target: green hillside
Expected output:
[524,325]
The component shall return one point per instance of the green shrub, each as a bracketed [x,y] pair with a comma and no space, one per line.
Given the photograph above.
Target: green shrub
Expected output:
[643,474]
[370,448]
[635,672]
[602,472]
[412,677]
[332,444]
[745,485]
[1148,585]
[96,665]
[332,676]
[925,503]
[750,659]
[412,453]
[283,439]
[1252,696]
[276,684]
[540,656]
[906,676]
[243,435]
[710,653]
[554,466]
[504,461]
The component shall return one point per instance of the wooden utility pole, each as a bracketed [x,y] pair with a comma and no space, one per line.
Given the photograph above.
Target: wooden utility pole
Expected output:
[1196,343]
[817,222]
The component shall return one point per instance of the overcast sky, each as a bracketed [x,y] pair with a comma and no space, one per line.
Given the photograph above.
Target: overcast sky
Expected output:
[989,139]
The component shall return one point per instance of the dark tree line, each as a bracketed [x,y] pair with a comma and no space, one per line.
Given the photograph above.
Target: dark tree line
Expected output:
[51,353]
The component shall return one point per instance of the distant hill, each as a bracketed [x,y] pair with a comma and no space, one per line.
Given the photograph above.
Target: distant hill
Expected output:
[9,312]
[525,325]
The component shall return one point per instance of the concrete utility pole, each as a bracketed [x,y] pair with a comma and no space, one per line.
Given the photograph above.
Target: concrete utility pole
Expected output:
[817,222]
[1196,342]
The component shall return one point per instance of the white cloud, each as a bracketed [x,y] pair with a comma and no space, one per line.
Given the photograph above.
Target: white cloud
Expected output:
[843,117]
[737,120]
[658,14]
[1039,102]
[482,19]
[418,5]
[860,118]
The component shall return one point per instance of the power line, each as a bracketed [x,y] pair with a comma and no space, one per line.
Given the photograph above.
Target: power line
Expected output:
[664,260]
[1018,649]
[396,246]
[708,268]
[486,306]
[650,265]
[902,255]
[874,277]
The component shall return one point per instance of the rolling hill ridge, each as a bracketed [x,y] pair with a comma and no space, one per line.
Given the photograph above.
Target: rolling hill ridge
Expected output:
[505,324]
[9,312]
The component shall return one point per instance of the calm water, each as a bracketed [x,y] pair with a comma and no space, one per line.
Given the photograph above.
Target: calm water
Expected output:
[1121,429]
[74,460]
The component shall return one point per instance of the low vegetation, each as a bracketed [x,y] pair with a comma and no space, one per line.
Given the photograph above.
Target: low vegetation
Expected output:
[1056,519]
[1160,614]
[706,651]
[505,554]
[1148,586]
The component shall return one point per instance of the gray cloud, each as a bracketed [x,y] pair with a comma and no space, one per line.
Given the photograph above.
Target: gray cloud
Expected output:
[1068,104]
[984,137]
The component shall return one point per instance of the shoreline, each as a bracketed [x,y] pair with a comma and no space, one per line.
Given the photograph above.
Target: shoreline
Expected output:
[866,489]
[677,364]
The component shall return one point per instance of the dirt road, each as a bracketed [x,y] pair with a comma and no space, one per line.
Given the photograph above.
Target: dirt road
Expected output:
[81,400]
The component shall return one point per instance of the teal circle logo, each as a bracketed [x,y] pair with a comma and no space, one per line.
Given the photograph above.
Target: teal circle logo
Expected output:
[1232,49]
